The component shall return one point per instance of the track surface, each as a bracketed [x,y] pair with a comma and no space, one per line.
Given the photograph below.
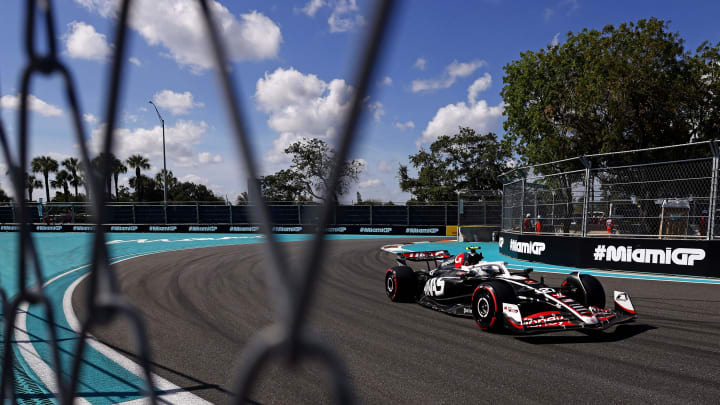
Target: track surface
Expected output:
[202,306]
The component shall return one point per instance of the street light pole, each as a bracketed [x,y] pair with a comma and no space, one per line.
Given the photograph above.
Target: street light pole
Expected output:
[162,121]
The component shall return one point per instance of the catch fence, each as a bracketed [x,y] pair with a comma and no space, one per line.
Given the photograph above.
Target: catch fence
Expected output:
[441,214]
[645,193]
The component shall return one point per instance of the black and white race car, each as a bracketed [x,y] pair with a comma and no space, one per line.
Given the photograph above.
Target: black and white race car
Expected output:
[497,298]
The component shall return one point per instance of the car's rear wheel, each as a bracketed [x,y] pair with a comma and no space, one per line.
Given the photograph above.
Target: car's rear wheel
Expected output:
[585,289]
[401,284]
[487,304]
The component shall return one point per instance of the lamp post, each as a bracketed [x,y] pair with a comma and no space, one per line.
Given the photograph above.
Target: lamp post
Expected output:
[162,121]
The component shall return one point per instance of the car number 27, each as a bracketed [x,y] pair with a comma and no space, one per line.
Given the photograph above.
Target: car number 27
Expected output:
[435,287]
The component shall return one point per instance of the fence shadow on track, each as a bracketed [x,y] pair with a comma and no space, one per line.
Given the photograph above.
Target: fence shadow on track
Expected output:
[289,338]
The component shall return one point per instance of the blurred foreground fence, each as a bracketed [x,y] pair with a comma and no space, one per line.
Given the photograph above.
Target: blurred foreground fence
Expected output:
[487,212]
[663,192]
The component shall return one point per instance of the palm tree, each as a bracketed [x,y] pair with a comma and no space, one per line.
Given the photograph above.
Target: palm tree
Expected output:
[61,181]
[138,162]
[73,166]
[31,183]
[117,168]
[44,165]
[97,163]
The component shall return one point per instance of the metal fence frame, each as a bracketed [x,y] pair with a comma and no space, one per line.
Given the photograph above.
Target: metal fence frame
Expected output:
[661,196]
[294,213]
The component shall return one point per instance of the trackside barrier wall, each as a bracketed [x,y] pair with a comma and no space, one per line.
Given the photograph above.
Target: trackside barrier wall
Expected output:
[671,256]
[247,228]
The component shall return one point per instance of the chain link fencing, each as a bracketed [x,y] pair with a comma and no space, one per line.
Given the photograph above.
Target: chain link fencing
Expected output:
[642,193]
[289,339]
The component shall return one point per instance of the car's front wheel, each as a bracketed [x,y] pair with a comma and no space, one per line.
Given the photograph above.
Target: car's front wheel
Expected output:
[487,304]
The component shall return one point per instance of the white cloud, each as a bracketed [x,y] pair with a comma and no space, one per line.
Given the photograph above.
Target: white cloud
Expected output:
[387,81]
[369,183]
[179,141]
[312,7]
[207,157]
[193,178]
[301,104]
[548,13]
[555,40]
[83,42]
[176,103]
[90,118]
[420,63]
[277,153]
[477,115]
[345,17]
[404,125]
[452,72]
[386,166]
[481,84]
[135,61]
[35,104]
[178,26]
[378,110]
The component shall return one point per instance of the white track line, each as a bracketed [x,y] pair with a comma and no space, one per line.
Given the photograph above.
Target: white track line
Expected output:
[177,395]
[47,375]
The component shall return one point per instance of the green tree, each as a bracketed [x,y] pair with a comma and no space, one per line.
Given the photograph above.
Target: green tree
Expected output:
[3,196]
[312,161]
[72,165]
[32,184]
[44,165]
[118,168]
[62,181]
[464,161]
[172,181]
[97,163]
[283,185]
[625,87]
[138,162]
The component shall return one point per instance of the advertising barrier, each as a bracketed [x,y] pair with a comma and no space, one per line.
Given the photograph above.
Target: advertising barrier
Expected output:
[226,228]
[672,256]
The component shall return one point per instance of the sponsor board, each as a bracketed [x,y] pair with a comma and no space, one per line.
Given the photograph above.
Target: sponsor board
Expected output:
[243,228]
[671,256]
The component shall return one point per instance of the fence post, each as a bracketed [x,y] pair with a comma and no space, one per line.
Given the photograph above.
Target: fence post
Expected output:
[72,210]
[133,214]
[230,208]
[446,214]
[299,206]
[371,213]
[587,165]
[713,190]
[407,216]
[197,212]
[522,204]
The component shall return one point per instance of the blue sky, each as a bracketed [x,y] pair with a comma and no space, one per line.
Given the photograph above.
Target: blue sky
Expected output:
[442,68]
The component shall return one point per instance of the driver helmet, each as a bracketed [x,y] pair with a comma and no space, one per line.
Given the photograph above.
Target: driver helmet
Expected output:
[527,215]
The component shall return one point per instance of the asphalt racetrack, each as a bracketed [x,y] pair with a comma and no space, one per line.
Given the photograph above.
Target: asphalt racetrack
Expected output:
[201,307]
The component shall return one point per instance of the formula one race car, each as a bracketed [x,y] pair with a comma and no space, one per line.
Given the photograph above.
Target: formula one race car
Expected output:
[496,298]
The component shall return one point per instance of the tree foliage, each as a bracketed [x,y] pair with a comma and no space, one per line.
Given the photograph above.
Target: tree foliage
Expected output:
[309,174]
[44,165]
[625,87]
[464,161]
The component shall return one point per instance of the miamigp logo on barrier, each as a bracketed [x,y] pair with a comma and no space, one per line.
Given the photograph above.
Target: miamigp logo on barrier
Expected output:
[533,248]
[626,254]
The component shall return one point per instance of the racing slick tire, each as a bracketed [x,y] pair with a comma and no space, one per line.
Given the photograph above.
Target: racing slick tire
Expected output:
[401,284]
[585,289]
[487,304]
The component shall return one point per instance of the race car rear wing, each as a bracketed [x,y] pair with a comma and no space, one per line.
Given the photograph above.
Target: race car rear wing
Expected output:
[427,256]
[424,256]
